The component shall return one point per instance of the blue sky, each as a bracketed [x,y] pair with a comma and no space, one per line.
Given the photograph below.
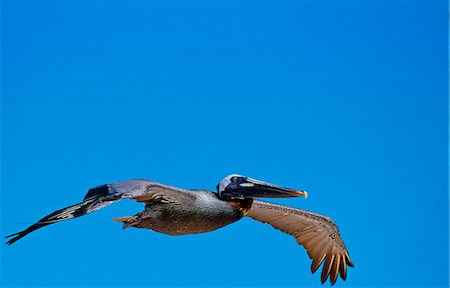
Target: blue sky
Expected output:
[345,99]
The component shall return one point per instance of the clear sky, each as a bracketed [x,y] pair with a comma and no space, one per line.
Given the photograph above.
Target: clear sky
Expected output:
[345,99]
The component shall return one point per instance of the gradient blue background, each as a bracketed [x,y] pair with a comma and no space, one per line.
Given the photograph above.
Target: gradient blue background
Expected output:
[346,99]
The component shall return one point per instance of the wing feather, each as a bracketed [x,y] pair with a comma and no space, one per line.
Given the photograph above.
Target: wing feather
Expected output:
[326,267]
[343,269]
[335,269]
[316,263]
[101,196]
[316,233]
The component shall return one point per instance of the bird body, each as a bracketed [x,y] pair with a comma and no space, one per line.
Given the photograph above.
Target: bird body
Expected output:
[175,211]
[198,211]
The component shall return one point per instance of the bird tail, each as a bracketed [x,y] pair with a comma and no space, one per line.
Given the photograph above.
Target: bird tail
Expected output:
[128,221]
[95,199]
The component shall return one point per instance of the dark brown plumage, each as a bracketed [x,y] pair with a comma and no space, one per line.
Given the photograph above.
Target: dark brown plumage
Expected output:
[176,211]
[318,234]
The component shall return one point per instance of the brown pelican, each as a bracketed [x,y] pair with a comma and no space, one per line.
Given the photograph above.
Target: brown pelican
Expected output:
[176,211]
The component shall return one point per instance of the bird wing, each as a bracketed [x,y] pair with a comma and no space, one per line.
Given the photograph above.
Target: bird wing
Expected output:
[317,233]
[101,196]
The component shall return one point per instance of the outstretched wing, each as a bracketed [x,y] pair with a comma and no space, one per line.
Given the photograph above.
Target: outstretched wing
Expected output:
[318,234]
[104,195]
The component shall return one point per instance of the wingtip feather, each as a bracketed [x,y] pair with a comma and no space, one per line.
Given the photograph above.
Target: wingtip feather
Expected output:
[349,261]
[343,269]
[16,238]
[316,263]
[6,237]
[335,270]
[326,268]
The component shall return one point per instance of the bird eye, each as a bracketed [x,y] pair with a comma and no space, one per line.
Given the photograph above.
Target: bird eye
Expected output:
[234,178]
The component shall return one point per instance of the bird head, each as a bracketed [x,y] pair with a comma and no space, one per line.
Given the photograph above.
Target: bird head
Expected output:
[236,186]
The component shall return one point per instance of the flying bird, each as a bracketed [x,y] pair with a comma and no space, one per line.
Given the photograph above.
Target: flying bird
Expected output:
[177,211]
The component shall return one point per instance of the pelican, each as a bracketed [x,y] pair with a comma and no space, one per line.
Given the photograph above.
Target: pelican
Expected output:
[175,211]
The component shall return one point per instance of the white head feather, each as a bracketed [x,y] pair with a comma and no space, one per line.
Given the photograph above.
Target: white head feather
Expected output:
[226,181]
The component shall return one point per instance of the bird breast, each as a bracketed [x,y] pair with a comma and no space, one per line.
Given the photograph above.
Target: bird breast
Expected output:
[205,213]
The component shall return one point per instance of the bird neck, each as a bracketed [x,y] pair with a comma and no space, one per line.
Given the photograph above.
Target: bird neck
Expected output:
[243,205]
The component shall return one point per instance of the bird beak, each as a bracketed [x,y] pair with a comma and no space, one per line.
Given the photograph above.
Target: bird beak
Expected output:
[252,188]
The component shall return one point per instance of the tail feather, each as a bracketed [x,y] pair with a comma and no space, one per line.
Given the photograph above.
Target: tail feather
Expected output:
[123,219]
[126,220]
